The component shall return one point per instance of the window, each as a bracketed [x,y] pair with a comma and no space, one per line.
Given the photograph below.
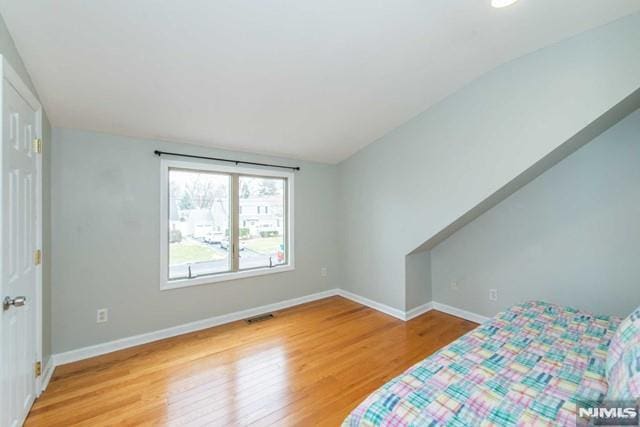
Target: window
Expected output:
[199,220]
[262,243]
[213,227]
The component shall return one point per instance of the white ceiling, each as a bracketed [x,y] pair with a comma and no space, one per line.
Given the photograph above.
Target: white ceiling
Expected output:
[314,80]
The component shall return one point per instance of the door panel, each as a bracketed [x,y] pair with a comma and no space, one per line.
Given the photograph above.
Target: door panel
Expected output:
[18,351]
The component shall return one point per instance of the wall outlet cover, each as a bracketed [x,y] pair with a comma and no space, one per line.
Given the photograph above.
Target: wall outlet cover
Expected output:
[323,272]
[493,295]
[102,315]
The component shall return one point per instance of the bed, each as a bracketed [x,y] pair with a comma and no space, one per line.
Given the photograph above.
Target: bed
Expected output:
[532,364]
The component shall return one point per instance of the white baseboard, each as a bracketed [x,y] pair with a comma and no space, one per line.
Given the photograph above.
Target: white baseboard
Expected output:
[419,310]
[47,373]
[120,344]
[398,314]
[458,312]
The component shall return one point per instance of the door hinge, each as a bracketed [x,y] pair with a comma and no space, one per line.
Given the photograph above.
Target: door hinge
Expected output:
[37,145]
[38,368]
[37,257]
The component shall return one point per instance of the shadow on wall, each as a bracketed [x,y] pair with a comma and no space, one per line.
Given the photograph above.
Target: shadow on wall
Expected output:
[568,237]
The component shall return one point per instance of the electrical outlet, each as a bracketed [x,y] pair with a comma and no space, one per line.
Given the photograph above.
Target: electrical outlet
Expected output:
[323,272]
[493,295]
[102,315]
[454,286]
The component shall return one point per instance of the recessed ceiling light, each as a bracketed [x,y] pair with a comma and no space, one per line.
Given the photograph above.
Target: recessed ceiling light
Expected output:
[502,3]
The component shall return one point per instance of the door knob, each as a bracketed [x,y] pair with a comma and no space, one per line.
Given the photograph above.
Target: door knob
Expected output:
[16,302]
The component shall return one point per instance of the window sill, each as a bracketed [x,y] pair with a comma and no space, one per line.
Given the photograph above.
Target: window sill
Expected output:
[223,277]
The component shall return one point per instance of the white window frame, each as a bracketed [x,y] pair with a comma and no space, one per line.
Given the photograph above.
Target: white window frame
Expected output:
[165,165]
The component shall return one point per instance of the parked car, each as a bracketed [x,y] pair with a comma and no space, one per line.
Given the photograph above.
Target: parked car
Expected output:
[175,236]
[224,244]
[201,230]
[213,238]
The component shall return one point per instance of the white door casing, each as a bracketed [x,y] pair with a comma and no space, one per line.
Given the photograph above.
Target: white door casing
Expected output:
[21,236]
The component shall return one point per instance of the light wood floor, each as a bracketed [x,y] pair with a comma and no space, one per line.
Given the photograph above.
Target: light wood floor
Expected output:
[310,365]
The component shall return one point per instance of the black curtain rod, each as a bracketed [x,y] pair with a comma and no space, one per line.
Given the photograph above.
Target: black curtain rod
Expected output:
[237,162]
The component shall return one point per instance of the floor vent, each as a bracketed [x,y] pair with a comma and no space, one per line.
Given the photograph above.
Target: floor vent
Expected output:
[260,318]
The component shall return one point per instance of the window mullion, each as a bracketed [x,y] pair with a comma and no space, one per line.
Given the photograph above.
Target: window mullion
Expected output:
[235,222]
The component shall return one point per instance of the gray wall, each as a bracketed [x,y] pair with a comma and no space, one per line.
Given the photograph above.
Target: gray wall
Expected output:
[9,52]
[106,213]
[418,278]
[572,236]
[403,189]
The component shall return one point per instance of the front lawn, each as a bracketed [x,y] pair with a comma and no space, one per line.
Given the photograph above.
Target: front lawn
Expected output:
[193,251]
[264,245]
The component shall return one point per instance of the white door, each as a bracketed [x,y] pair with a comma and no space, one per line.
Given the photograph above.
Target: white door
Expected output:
[19,179]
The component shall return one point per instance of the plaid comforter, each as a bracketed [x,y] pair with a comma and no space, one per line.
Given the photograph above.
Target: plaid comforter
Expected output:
[529,365]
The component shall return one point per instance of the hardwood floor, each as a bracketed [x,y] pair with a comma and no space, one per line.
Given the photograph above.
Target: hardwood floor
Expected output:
[310,365]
